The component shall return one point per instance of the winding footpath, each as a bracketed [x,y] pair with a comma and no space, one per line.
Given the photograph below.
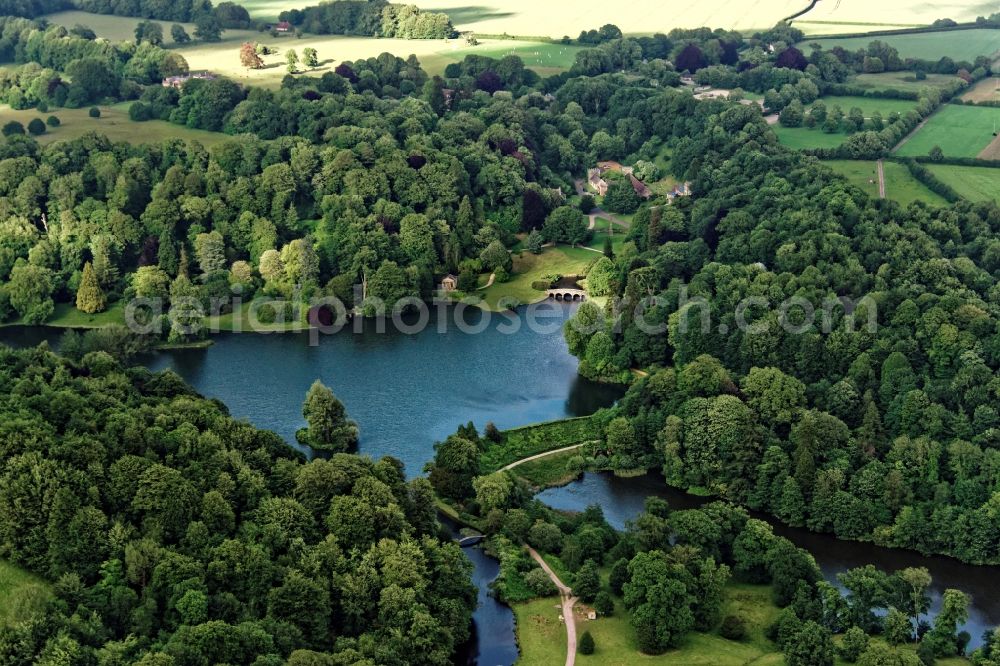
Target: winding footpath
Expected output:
[542,455]
[568,602]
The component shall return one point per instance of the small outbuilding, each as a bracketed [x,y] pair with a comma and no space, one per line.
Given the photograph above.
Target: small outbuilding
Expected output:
[449,282]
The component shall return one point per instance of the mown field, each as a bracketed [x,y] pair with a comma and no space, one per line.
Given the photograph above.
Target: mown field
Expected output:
[960,131]
[869,105]
[973,183]
[114,122]
[957,44]
[900,185]
[804,138]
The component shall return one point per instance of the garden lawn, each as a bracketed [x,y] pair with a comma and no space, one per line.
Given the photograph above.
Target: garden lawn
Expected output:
[972,183]
[960,131]
[113,123]
[528,268]
[601,231]
[957,44]
[21,593]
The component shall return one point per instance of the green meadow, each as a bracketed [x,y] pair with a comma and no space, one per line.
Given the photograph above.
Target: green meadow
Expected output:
[960,131]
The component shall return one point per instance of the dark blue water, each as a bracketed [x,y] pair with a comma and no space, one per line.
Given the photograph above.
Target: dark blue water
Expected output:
[622,500]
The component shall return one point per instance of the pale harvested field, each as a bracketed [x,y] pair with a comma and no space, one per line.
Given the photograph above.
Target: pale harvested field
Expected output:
[987,90]
[992,151]
[894,12]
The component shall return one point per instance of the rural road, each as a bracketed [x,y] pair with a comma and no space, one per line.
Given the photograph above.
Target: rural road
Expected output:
[568,601]
[540,455]
[598,212]
[880,168]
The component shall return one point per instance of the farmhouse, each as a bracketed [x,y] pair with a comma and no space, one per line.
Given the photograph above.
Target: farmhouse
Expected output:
[597,183]
[283,26]
[682,190]
[179,81]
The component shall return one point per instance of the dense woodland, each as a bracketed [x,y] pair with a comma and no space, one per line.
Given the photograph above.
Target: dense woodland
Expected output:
[197,535]
[176,535]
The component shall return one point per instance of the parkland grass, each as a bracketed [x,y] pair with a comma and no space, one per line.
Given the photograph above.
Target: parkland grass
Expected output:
[972,183]
[529,268]
[957,44]
[113,123]
[960,131]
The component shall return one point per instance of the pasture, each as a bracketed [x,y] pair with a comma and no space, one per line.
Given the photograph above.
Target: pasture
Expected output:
[960,131]
[114,123]
[860,173]
[972,183]
[957,44]
[114,28]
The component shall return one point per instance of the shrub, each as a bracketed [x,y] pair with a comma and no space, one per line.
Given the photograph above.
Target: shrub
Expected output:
[587,643]
[53,121]
[12,128]
[604,604]
[539,582]
[855,642]
[36,126]
[733,628]
[94,112]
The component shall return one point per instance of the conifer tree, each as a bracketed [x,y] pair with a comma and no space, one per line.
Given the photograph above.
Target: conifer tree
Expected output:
[89,296]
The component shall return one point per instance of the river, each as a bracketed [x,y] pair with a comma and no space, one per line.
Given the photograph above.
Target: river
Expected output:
[622,500]
[408,391]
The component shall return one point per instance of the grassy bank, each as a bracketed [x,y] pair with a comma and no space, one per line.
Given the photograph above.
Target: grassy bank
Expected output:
[529,268]
[531,440]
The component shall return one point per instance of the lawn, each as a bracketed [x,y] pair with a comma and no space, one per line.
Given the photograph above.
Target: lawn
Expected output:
[973,183]
[21,593]
[957,44]
[528,268]
[114,123]
[960,131]
[542,636]
[602,228]
[67,316]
